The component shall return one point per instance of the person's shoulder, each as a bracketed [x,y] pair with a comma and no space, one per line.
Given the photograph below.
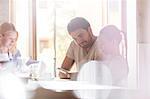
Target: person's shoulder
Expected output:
[18,53]
[73,44]
[97,42]
[119,60]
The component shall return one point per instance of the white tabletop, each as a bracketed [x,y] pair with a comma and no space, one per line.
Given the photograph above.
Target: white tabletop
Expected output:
[58,84]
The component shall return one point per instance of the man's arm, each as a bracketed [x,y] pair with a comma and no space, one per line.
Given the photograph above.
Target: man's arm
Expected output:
[67,64]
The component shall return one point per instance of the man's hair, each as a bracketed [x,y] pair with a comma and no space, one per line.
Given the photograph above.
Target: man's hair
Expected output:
[78,23]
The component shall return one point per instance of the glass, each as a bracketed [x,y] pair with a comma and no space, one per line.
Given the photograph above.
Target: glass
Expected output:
[34,71]
[52,17]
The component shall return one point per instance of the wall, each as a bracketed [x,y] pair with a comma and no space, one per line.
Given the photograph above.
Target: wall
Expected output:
[4,10]
[143,19]
[143,28]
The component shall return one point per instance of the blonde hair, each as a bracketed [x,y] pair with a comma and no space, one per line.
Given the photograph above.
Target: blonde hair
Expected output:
[6,26]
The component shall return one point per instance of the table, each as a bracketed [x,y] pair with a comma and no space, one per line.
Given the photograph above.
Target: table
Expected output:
[66,89]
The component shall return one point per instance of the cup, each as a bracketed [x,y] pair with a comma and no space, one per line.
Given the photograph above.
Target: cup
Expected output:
[34,71]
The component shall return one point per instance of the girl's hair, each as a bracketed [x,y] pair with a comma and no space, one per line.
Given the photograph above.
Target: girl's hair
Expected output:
[6,26]
[111,32]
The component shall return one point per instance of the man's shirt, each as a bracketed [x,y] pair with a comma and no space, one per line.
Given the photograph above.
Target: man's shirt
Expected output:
[81,56]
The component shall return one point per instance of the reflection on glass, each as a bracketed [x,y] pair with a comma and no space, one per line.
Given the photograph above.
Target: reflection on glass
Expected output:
[52,19]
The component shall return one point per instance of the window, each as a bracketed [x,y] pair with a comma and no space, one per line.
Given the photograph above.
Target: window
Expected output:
[20,17]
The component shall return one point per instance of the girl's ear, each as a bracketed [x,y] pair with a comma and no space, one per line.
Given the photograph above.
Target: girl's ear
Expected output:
[89,29]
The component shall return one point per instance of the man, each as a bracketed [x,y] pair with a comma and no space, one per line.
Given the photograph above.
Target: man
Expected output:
[83,47]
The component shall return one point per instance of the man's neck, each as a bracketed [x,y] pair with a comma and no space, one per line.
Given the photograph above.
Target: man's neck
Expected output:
[91,44]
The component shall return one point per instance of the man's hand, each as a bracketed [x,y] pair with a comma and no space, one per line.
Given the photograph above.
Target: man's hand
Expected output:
[64,75]
[66,66]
